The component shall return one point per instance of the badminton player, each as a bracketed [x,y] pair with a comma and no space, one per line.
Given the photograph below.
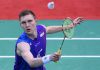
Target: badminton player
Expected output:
[31,45]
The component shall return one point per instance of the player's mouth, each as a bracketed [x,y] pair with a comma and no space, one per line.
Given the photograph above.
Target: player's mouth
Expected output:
[28,30]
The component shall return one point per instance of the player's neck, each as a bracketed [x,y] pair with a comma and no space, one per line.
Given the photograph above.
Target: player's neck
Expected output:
[33,36]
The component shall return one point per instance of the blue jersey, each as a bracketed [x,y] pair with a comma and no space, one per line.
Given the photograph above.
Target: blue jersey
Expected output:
[38,49]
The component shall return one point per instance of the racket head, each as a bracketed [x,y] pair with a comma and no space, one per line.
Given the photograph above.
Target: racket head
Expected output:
[68,32]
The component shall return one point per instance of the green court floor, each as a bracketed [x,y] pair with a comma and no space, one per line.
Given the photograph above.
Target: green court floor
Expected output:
[87,43]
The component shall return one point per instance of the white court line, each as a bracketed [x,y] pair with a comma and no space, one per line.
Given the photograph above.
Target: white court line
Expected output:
[7,56]
[65,56]
[81,56]
[73,39]
[56,39]
[93,56]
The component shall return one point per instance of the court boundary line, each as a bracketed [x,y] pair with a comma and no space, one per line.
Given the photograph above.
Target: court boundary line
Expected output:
[65,56]
[56,39]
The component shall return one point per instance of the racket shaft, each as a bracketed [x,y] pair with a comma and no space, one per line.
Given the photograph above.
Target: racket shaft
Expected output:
[62,42]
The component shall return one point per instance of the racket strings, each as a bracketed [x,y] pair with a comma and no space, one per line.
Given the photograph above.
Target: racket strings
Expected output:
[67,33]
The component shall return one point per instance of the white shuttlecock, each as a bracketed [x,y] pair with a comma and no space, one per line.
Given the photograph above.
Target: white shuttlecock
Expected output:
[51,5]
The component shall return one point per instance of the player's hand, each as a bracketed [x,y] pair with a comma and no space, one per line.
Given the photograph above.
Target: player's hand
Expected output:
[77,21]
[55,57]
[74,22]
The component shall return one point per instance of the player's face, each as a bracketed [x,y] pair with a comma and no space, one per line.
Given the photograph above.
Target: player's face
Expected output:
[28,23]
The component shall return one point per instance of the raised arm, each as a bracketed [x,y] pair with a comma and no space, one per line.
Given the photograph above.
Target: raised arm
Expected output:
[54,29]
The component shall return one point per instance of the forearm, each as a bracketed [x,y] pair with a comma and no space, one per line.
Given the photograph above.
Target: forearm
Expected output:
[40,61]
[33,62]
[53,29]
[36,62]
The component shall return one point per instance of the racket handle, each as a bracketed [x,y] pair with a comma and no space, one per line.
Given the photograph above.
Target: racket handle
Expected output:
[59,52]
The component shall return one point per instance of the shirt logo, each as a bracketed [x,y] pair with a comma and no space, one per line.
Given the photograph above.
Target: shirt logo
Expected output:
[42,34]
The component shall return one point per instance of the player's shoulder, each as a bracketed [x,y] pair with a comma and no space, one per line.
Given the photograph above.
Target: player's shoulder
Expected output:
[22,44]
[41,26]
[22,47]
[22,38]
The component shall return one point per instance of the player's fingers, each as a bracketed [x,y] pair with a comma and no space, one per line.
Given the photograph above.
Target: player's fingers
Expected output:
[80,19]
[57,55]
[77,20]
[56,58]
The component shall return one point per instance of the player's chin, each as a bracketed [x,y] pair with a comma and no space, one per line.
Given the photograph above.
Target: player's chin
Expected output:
[29,33]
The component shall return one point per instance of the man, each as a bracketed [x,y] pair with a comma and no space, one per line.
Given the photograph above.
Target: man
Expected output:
[31,45]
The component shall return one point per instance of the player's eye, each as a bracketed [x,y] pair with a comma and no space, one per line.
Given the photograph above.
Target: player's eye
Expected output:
[23,22]
[29,21]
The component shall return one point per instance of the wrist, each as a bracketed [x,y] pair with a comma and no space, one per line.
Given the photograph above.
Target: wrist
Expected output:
[46,59]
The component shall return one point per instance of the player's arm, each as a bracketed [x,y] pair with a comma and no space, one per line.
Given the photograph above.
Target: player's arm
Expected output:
[54,29]
[23,49]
